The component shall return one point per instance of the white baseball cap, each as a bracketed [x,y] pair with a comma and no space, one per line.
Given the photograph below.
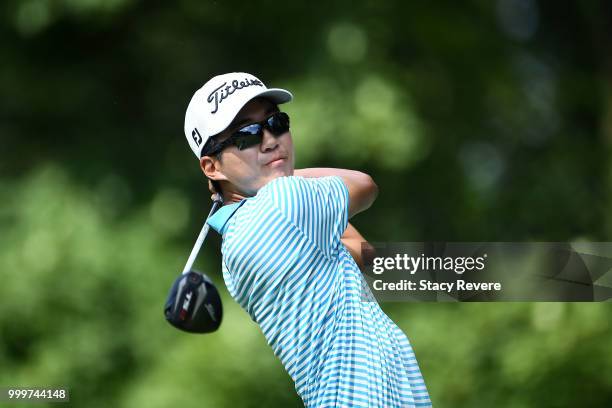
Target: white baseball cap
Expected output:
[215,105]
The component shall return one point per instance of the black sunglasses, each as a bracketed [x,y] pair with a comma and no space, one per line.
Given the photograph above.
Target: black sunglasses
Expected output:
[252,135]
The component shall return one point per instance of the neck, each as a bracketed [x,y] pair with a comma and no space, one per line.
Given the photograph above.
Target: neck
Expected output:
[230,194]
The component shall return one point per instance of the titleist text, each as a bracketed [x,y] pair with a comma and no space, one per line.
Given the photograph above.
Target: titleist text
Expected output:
[222,92]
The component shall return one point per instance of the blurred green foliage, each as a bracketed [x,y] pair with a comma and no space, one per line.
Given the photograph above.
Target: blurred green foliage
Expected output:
[485,120]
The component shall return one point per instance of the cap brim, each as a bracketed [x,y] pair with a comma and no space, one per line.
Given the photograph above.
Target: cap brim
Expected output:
[276,95]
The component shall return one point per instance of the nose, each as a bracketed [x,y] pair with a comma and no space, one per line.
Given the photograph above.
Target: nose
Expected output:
[269,141]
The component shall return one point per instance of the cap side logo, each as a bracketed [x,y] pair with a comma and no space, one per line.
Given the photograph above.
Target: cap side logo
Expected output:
[197,137]
[223,91]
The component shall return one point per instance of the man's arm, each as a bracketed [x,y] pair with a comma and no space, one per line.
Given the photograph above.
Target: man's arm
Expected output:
[353,241]
[362,189]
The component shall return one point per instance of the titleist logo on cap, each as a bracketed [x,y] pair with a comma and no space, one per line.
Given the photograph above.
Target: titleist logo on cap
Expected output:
[223,91]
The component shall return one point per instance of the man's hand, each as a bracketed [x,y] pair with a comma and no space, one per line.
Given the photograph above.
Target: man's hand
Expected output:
[361,187]
[215,196]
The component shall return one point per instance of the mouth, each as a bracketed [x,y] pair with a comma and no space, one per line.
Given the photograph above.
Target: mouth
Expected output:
[276,162]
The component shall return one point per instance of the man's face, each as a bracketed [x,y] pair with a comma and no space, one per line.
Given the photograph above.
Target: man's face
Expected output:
[250,169]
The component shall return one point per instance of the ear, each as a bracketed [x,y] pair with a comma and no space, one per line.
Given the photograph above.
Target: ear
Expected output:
[211,167]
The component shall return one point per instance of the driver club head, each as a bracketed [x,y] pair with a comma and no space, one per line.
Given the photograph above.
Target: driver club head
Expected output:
[193,304]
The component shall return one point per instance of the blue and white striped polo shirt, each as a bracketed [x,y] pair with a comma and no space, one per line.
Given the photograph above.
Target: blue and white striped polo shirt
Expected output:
[284,263]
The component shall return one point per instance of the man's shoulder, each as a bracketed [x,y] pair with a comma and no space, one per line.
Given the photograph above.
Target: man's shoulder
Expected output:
[288,191]
[295,184]
[269,206]
[292,195]
[281,183]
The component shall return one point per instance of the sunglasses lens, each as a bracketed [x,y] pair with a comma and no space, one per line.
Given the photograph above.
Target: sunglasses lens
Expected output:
[252,135]
[278,123]
[253,129]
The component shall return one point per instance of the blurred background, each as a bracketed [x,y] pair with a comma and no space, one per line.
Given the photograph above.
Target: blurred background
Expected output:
[489,120]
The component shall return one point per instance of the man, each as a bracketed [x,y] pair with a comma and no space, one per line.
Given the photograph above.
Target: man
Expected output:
[290,256]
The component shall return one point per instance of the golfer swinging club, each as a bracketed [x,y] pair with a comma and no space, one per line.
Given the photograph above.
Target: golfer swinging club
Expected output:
[290,257]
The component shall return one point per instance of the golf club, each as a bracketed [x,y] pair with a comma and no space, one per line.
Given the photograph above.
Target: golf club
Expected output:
[193,304]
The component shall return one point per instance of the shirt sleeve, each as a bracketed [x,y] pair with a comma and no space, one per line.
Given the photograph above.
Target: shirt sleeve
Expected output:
[317,206]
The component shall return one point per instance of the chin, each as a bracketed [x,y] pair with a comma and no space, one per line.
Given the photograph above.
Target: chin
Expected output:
[281,171]
[276,172]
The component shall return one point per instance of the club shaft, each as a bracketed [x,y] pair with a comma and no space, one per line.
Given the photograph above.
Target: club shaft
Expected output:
[200,241]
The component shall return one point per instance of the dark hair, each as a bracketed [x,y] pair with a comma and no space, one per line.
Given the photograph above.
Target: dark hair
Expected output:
[211,144]
[208,146]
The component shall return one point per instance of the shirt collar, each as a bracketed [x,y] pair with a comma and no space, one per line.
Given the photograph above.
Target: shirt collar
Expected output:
[218,221]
